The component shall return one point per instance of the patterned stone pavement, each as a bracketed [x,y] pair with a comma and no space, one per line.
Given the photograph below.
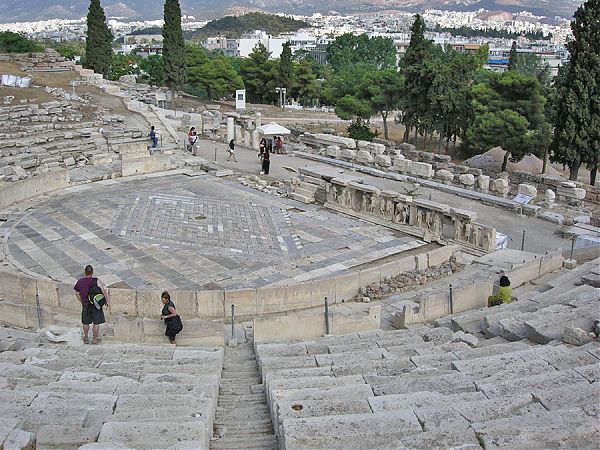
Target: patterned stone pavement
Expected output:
[181,232]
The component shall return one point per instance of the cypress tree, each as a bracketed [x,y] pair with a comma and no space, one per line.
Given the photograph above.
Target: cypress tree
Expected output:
[98,42]
[173,47]
[576,138]
[512,57]
[286,68]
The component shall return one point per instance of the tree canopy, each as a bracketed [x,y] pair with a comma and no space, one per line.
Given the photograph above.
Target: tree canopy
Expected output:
[15,43]
[98,42]
[210,76]
[576,138]
[348,49]
[234,26]
[173,46]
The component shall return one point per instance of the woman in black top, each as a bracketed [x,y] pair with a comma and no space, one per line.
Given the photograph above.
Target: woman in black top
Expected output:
[170,316]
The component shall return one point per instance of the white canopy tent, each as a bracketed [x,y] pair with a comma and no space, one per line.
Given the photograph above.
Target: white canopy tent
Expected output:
[273,129]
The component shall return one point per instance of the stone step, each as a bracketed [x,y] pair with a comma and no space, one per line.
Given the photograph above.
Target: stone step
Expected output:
[302,198]
[309,193]
[246,442]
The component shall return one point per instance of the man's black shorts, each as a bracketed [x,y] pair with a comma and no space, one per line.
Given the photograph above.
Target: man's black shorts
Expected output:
[91,315]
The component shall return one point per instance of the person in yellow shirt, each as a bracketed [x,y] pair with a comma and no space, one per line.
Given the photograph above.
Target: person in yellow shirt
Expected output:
[504,294]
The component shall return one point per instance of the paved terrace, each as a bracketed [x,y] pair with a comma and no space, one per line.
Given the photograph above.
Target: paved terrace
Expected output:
[190,232]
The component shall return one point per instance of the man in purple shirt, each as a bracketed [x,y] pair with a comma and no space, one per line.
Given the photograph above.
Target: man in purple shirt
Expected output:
[89,313]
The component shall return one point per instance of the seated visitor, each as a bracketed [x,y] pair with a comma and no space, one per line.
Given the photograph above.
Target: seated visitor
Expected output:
[504,294]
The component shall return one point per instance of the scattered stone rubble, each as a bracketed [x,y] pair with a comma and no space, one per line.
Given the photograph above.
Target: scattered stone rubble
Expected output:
[408,280]
[274,187]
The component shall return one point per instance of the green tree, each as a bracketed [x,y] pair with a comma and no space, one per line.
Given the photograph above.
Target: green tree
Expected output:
[15,43]
[306,86]
[152,70]
[98,42]
[513,92]
[576,138]
[286,68]
[513,58]
[70,49]
[418,78]
[210,76]
[382,91]
[124,65]
[504,128]
[173,47]
[259,74]
[450,95]
[530,65]
[359,112]
[348,49]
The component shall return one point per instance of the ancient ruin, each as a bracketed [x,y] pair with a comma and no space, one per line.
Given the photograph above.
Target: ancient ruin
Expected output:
[339,302]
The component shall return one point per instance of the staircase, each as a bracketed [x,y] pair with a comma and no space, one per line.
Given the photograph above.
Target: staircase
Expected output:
[243,420]
[304,191]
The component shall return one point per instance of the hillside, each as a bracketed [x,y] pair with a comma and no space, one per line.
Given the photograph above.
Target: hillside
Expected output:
[235,26]
[31,10]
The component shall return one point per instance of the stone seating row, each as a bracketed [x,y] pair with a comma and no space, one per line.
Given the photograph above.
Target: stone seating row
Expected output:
[351,392]
[106,396]
[540,315]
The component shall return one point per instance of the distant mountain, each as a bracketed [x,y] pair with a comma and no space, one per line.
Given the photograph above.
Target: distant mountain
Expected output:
[32,10]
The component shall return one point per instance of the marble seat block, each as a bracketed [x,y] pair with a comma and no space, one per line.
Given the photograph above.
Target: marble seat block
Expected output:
[423,170]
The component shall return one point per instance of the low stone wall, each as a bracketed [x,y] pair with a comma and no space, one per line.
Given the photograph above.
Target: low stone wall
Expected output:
[473,294]
[41,184]
[311,324]
[19,293]
[136,160]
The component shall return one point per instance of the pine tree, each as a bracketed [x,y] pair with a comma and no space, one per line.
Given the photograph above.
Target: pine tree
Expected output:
[576,138]
[98,43]
[173,47]
[512,57]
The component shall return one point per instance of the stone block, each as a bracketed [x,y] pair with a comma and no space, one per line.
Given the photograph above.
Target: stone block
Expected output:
[333,151]
[364,157]
[501,185]
[527,189]
[370,430]
[423,170]
[383,160]
[245,302]
[570,263]
[124,302]
[185,303]
[210,304]
[444,175]
[186,433]
[348,154]
[466,179]
[48,293]
[576,336]
[402,165]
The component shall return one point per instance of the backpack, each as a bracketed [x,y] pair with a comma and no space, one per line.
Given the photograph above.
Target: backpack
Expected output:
[96,296]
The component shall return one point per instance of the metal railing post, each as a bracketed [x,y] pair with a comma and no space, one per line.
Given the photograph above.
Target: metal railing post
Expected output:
[523,241]
[39,309]
[326,316]
[572,246]
[232,321]
[451,300]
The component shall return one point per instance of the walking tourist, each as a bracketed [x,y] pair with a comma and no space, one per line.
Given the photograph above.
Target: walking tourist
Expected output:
[93,296]
[231,150]
[504,294]
[192,139]
[266,162]
[153,137]
[169,315]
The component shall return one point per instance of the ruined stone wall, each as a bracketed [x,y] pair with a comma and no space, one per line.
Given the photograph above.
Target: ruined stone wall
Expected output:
[428,219]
